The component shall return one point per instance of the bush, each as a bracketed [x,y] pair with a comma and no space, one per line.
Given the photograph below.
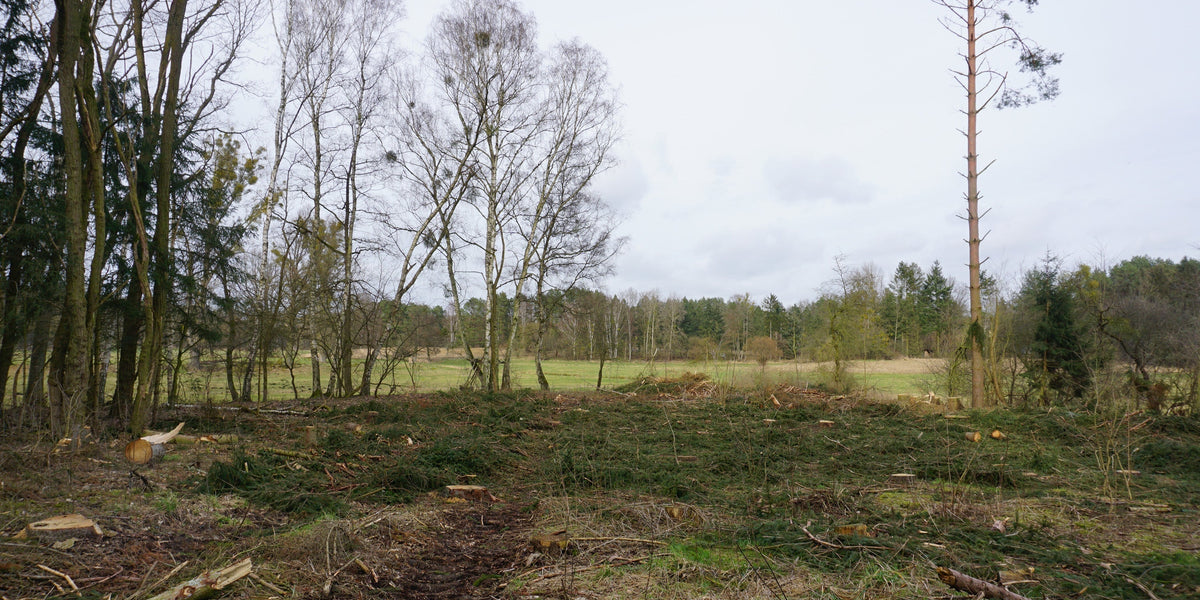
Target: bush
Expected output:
[763,350]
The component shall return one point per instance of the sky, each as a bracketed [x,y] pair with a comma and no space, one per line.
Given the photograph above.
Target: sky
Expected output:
[763,139]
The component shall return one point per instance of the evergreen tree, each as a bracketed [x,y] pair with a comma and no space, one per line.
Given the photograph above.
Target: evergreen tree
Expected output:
[1056,362]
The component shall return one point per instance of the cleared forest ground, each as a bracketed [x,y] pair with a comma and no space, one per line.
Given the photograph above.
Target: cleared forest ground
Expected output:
[669,489]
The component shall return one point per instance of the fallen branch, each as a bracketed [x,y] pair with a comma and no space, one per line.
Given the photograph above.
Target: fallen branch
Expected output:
[268,584]
[1130,580]
[619,539]
[837,546]
[208,584]
[971,585]
[288,453]
[70,582]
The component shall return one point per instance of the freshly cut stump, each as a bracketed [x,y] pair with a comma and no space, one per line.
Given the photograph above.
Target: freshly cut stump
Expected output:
[62,527]
[550,543]
[468,492]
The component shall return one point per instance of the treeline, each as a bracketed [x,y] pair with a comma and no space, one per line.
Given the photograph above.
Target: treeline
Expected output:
[1085,334]
[916,314]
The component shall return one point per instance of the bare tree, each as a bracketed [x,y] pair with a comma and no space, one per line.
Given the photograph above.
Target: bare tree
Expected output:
[567,231]
[985,27]
[364,91]
[485,55]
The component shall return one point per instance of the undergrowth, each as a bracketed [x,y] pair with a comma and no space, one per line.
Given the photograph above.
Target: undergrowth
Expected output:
[772,472]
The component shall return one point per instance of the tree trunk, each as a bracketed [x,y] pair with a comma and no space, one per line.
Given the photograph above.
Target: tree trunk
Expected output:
[152,341]
[68,382]
[35,380]
[10,311]
[364,387]
[975,331]
[131,329]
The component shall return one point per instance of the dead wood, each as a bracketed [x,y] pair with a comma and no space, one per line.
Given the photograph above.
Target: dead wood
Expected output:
[162,438]
[971,585]
[288,453]
[208,584]
[70,581]
[142,452]
[619,539]
[149,447]
[836,546]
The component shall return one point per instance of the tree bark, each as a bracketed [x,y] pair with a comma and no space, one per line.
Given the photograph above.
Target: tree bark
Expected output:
[975,331]
[68,382]
[971,585]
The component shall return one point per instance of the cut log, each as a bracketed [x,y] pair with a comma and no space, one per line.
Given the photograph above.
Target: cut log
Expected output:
[142,452]
[208,584]
[62,527]
[825,423]
[149,447]
[902,479]
[971,585]
[974,436]
[998,435]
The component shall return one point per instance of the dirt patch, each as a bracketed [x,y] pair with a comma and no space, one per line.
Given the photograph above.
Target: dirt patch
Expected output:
[471,553]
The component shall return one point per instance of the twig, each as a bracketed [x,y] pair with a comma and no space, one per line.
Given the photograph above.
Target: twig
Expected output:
[267,584]
[837,546]
[328,589]
[618,539]
[836,442]
[160,581]
[367,570]
[1134,582]
[70,582]
[98,581]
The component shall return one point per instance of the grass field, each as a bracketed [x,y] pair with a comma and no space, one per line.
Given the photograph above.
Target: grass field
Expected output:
[887,377]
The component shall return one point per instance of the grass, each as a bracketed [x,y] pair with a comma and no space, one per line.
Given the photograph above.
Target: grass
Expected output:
[425,376]
[750,478]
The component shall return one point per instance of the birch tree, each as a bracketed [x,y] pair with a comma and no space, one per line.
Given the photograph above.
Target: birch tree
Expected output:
[485,55]
[567,230]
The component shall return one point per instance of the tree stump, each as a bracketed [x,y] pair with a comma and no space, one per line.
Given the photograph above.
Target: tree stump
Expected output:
[62,527]
[468,492]
[550,543]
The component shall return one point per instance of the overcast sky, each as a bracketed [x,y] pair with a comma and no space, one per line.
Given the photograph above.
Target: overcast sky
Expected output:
[763,138]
